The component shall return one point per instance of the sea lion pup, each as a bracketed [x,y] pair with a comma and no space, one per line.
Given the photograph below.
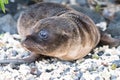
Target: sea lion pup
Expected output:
[56,30]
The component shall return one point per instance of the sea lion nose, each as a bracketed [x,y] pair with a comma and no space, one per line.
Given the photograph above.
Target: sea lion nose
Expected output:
[24,41]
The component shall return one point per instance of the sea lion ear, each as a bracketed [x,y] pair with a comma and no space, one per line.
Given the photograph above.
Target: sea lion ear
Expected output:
[65,35]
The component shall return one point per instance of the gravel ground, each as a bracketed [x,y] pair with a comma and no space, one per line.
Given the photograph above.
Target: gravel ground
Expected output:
[102,64]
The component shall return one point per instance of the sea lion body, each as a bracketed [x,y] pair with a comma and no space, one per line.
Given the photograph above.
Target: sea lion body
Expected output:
[72,35]
[56,30]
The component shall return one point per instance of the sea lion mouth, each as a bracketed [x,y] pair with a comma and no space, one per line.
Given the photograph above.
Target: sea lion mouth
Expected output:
[31,45]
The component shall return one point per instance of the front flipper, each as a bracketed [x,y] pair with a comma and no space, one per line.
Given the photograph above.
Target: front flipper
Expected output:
[106,39]
[30,59]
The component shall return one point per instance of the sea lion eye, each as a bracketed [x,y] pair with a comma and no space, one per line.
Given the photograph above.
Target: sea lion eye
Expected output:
[43,34]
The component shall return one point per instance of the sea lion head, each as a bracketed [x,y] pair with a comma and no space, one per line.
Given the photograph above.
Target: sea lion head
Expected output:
[51,36]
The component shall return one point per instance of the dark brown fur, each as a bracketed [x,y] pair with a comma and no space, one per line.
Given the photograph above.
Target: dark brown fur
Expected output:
[71,34]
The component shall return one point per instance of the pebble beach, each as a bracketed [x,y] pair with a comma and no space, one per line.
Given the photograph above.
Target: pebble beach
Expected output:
[103,63]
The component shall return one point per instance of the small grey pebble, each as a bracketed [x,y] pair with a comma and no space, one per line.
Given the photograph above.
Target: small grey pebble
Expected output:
[49,70]
[67,62]
[10,47]
[35,71]
[82,78]
[14,53]
[31,78]
[13,66]
[50,61]
[25,54]
[38,73]
[4,48]
[88,56]
[52,78]
[113,77]
[79,75]
[100,69]
[119,55]
[32,64]
[97,78]
[100,53]
[3,56]
[107,54]
[67,70]
[7,42]
[117,62]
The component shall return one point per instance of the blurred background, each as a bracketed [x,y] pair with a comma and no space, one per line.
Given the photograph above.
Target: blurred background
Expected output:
[105,13]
